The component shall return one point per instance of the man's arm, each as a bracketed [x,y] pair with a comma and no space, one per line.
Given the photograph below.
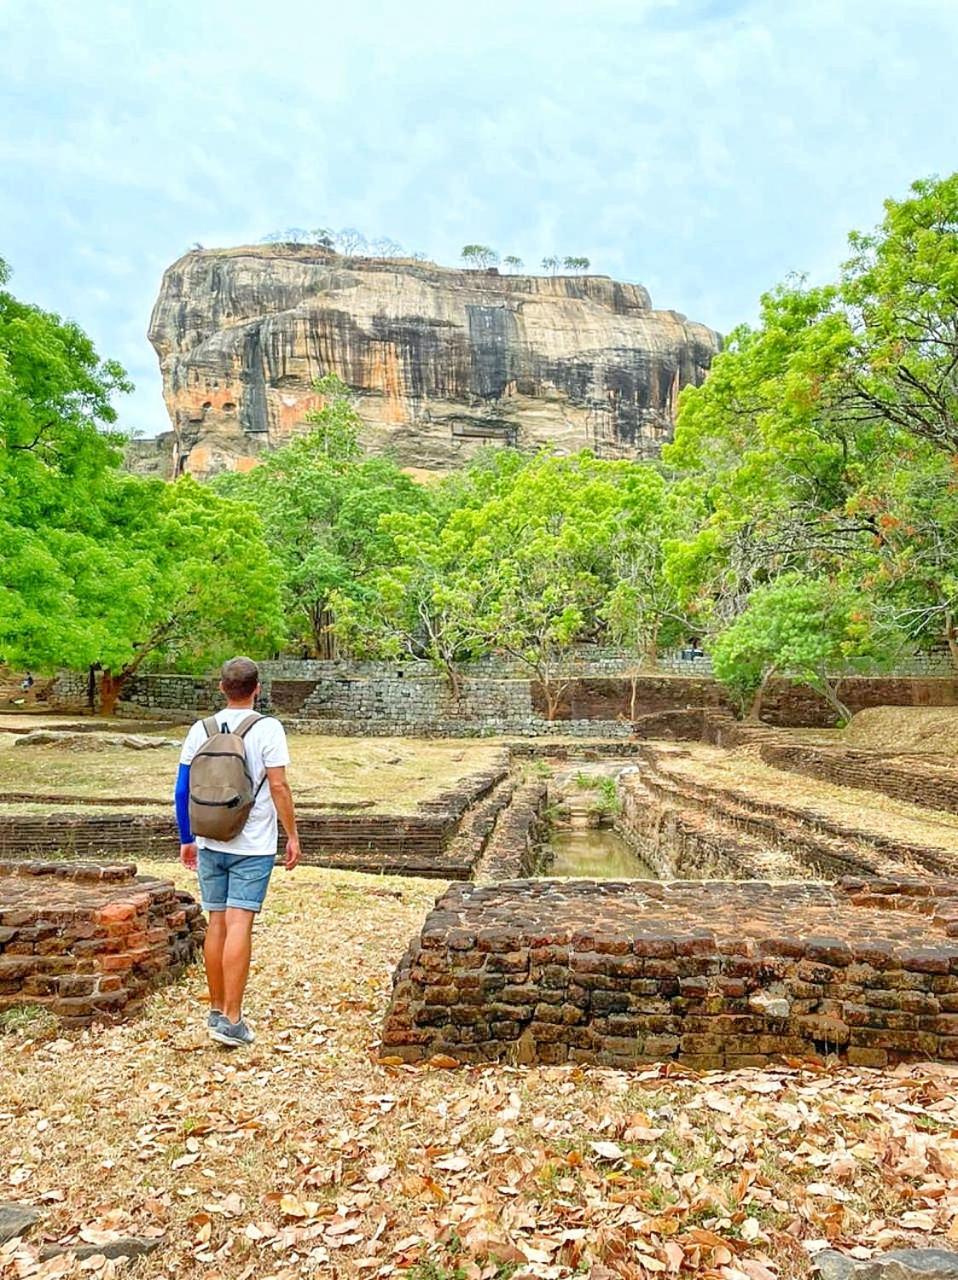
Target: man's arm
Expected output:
[283,800]
[181,796]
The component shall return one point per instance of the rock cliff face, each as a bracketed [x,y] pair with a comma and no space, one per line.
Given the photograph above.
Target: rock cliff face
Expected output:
[442,361]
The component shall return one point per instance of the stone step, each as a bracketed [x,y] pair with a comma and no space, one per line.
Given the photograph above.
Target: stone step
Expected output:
[511,850]
[686,843]
[831,847]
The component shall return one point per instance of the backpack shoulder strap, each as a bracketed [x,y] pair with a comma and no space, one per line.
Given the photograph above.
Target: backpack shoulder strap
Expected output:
[210,725]
[244,726]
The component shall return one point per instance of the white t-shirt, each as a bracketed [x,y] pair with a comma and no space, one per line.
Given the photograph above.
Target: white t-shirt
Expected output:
[265,749]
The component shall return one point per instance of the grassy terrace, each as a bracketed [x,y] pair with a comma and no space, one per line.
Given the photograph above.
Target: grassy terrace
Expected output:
[866,811]
[353,774]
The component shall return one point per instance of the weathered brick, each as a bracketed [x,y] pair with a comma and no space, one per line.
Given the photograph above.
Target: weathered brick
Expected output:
[687,989]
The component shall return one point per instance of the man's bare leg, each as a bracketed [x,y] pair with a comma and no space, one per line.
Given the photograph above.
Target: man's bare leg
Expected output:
[236,957]
[213,957]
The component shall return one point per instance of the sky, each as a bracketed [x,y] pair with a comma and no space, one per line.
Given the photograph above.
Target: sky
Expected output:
[705,148]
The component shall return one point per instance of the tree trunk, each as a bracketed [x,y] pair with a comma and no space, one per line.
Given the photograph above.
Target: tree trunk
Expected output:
[91,685]
[633,694]
[755,709]
[951,637]
[110,689]
[324,638]
[650,656]
[830,694]
[455,681]
[552,693]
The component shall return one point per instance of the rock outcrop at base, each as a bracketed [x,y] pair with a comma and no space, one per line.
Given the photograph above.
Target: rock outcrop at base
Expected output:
[443,361]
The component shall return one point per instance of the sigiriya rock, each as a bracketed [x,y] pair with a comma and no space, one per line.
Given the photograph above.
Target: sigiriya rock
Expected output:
[442,361]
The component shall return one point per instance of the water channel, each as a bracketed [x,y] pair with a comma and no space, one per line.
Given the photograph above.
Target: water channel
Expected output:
[595,853]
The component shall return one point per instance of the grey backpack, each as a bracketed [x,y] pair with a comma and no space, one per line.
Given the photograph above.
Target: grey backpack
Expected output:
[221,789]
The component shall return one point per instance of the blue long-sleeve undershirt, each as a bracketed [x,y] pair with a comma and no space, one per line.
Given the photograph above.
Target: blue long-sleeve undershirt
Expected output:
[181,795]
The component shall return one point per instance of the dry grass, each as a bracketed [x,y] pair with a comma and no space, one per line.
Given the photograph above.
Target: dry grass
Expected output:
[304,1156]
[379,774]
[924,730]
[868,811]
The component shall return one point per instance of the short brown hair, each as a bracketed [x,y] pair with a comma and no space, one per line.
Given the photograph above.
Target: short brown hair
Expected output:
[239,677]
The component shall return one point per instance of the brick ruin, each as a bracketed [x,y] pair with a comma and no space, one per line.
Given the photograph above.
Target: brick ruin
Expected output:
[694,966]
[89,942]
[711,974]
[428,842]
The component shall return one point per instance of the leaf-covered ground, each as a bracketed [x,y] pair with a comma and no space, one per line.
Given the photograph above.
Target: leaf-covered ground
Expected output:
[306,1156]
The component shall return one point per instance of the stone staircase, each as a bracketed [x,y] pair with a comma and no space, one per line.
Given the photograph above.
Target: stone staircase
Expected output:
[692,819]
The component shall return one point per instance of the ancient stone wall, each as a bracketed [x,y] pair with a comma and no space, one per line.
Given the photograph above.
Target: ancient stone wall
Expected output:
[380,842]
[408,699]
[790,705]
[160,693]
[618,697]
[90,942]
[512,849]
[751,825]
[920,781]
[715,975]
[411,700]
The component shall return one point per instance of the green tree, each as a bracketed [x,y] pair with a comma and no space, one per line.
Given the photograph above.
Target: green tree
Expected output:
[533,614]
[539,545]
[642,607]
[56,410]
[99,568]
[512,555]
[157,572]
[425,605]
[58,455]
[813,631]
[186,577]
[819,442]
[480,256]
[912,561]
[512,262]
[899,294]
[552,263]
[321,502]
[576,264]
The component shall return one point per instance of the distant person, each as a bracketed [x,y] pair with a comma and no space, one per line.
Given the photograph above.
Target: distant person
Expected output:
[230,787]
[26,684]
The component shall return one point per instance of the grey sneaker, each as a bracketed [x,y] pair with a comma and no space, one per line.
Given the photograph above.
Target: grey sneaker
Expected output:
[232,1033]
[214,1018]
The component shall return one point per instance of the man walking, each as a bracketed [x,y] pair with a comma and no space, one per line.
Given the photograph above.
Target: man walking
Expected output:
[230,787]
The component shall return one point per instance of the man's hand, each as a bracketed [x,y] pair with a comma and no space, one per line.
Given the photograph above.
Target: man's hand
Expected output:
[188,856]
[292,852]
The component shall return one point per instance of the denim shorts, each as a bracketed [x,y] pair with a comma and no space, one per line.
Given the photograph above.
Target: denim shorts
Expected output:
[233,879]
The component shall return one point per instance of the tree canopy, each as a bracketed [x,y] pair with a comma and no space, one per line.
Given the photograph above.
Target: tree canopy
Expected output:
[97,567]
[803,523]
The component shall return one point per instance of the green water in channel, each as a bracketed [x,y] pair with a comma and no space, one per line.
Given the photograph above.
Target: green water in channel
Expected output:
[594,854]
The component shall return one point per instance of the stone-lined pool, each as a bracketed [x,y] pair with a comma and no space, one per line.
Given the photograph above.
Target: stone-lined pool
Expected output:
[594,854]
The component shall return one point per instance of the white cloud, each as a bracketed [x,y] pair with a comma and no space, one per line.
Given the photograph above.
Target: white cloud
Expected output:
[706,147]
